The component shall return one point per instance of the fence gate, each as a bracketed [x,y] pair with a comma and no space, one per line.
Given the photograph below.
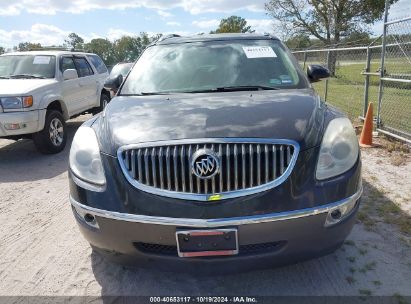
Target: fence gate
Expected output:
[394,96]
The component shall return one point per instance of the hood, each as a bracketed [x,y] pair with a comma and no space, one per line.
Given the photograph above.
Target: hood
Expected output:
[21,86]
[284,114]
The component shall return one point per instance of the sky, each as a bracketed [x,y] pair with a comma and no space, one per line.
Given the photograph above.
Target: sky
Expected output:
[50,21]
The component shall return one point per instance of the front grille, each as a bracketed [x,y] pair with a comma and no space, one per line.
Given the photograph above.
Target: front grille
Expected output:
[165,168]
[170,250]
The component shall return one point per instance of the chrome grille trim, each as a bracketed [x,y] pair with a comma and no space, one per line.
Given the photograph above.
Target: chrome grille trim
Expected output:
[251,166]
[133,164]
[164,167]
[190,175]
[146,165]
[176,186]
[160,155]
[183,167]
[213,187]
[153,166]
[266,163]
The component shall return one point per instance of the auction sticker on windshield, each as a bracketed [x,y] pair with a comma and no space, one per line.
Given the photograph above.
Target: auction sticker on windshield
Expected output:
[41,60]
[259,52]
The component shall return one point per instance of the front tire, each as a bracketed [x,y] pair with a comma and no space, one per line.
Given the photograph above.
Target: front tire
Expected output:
[104,100]
[52,139]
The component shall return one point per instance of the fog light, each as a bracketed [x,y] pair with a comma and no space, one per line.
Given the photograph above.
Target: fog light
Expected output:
[12,126]
[340,212]
[336,214]
[86,217]
[89,218]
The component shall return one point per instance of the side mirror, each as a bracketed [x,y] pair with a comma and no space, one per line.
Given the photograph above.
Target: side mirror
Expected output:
[113,83]
[70,74]
[315,72]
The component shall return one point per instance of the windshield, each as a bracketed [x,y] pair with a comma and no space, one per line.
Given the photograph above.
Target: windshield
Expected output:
[122,69]
[27,66]
[215,65]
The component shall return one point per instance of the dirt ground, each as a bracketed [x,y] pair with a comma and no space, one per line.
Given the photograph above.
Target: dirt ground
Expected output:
[43,253]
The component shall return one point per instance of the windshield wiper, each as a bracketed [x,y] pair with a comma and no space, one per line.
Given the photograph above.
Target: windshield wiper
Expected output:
[235,88]
[246,88]
[17,76]
[213,90]
[154,93]
[4,77]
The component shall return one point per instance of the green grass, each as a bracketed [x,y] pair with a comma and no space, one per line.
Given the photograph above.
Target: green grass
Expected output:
[377,283]
[362,251]
[351,259]
[395,109]
[368,267]
[349,243]
[386,209]
[400,298]
[350,280]
[365,292]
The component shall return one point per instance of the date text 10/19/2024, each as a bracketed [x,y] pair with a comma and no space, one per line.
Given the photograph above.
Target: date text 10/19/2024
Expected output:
[207,299]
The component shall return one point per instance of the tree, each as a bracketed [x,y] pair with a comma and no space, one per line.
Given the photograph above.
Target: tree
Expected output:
[233,24]
[27,46]
[74,41]
[327,20]
[129,48]
[2,50]
[358,38]
[299,41]
[126,48]
[103,48]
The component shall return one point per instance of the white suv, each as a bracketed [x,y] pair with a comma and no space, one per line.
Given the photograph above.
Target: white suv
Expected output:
[40,90]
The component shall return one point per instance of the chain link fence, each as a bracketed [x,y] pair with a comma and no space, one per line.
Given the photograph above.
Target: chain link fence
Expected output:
[377,73]
[345,88]
[394,109]
[348,88]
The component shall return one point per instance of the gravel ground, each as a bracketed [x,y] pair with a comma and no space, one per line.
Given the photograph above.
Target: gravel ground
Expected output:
[42,252]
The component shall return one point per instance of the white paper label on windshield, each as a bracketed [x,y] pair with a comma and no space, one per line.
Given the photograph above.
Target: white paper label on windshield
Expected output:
[41,60]
[259,52]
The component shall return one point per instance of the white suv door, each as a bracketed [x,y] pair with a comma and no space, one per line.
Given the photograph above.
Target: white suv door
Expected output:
[88,82]
[71,90]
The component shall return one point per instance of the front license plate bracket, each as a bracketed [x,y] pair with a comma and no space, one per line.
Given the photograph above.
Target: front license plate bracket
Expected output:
[201,243]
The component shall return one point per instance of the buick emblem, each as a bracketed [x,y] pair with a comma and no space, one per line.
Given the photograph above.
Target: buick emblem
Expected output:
[205,163]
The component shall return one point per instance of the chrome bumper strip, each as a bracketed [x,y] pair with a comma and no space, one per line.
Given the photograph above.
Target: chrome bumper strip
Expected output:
[210,223]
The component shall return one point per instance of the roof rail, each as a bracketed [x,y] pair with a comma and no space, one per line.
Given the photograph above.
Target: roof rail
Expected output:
[55,48]
[49,48]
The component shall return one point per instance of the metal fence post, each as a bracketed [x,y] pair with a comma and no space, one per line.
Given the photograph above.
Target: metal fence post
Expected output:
[367,81]
[382,71]
[305,59]
[326,81]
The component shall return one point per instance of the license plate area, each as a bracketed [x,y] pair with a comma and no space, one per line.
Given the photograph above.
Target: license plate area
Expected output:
[200,243]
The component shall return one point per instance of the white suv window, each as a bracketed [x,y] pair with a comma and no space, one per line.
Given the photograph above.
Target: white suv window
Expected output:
[83,67]
[67,63]
[98,64]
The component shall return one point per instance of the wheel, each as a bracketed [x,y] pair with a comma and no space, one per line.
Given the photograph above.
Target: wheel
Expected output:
[52,139]
[104,100]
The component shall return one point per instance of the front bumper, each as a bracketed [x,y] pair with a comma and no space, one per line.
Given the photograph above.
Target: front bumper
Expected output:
[274,239]
[30,122]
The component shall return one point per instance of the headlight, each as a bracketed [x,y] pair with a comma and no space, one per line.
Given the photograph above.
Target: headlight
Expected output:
[85,160]
[339,149]
[13,103]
